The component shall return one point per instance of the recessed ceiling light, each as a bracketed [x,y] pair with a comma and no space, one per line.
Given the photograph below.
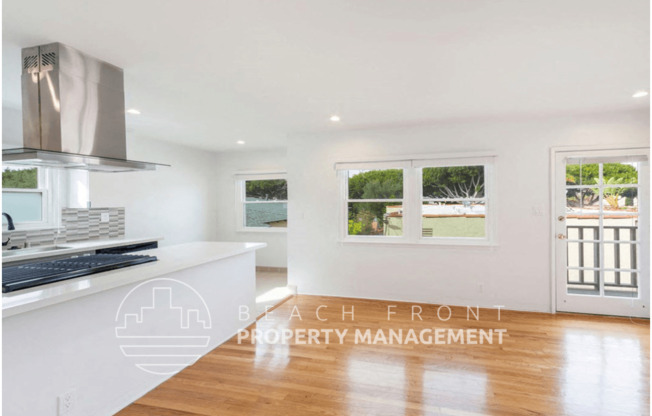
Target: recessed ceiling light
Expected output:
[240,142]
[133,111]
[639,94]
[335,118]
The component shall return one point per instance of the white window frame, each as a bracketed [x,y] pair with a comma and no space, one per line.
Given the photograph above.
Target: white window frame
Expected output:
[57,191]
[43,179]
[344,175]
[240,200]
[413,199]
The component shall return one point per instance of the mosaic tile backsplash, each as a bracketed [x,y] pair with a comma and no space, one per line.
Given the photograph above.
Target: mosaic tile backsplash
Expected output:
[76,225]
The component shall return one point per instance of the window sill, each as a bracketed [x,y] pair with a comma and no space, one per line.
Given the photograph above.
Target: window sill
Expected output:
[31,227]
[381,241]
[262,230]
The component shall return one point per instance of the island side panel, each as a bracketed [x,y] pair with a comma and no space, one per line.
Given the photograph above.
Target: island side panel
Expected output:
[72,346]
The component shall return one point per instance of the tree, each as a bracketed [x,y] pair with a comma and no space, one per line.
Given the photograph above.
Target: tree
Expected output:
[612,194]
[373,184]
[20,178]
[267,190]
[589,174]
[358,181]
[453,182]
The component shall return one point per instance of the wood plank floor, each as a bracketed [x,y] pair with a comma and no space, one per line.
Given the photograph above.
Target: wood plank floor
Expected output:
[547,365]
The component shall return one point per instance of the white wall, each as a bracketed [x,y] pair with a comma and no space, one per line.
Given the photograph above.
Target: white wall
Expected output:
[12,127]
[177,202]
[227,165]
[515,273]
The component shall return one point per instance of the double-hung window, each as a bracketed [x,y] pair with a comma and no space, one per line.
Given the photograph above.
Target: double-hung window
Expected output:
[438,200]
[453,202]
[262,201]
[24,195]
[375,202]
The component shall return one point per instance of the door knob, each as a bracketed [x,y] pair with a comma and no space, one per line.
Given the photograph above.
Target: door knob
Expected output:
[561,237]
[561,218]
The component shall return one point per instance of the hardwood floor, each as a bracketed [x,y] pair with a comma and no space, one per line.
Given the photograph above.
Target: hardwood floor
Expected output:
[546,365]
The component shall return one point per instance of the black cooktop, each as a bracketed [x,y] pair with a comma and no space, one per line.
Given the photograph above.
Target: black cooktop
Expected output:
[41,273]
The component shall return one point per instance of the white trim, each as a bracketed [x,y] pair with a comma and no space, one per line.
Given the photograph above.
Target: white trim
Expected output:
[271,201]
[353,201]
[350,241]
[418,156]
[262,230]
[456,161]
[574,160]
[379,165]
[259,176]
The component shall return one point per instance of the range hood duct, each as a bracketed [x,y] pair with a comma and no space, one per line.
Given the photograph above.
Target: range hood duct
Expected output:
[73,112]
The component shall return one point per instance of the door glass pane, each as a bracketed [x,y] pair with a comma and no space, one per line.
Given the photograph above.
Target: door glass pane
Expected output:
[266,215]
[583,254]
[621,284]
[620,256]
[376,184]
[453,219]
[582,215]
[582,201]
[619,228]
[23,206]
[620,200]
[582,174]
[375,218]
[583,282]
[453,182]
[620,173]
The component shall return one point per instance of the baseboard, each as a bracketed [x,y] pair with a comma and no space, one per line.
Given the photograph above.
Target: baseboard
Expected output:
[271,269]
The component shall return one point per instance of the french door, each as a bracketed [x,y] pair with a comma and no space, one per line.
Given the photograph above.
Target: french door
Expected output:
[601,229]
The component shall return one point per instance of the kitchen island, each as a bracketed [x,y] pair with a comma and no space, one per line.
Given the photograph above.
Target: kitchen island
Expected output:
[75,340]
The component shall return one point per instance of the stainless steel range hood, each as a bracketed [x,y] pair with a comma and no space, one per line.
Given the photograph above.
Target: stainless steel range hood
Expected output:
[73,113]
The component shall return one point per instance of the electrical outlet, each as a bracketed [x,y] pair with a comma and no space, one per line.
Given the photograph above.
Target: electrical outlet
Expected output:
[67,403]
[104,217]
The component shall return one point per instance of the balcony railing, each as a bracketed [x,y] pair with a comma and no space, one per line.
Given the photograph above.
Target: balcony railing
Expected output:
[622,270]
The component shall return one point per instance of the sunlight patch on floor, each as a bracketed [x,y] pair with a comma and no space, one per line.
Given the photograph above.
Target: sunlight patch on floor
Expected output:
[275,294]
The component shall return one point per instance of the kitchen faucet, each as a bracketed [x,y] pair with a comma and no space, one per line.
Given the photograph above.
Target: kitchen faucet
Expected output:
[10,221]
[10,227]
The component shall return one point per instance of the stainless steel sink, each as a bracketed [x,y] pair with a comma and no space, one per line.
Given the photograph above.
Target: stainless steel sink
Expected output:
[42,249]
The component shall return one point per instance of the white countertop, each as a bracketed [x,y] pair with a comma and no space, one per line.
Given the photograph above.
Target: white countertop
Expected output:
[72,248]
[170,259]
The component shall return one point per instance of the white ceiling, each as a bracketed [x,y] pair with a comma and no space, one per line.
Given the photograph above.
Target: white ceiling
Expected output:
[208,73]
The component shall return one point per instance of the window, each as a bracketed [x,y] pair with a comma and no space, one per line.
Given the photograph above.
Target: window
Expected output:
[375,202]
[419,201]
[23,194]
[34,196]
[264,202]
[453,202]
